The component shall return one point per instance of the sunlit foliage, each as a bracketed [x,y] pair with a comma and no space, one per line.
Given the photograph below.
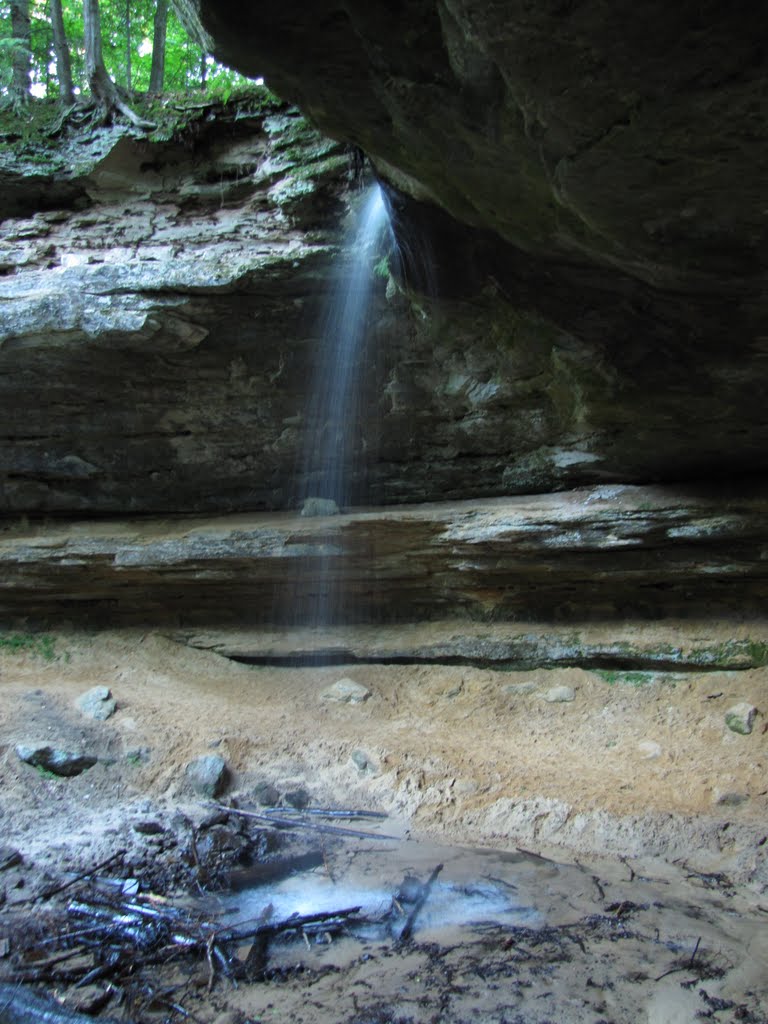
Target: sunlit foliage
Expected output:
[127,34]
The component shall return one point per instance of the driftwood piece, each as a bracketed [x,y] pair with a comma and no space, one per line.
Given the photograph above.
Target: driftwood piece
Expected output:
[296,921]
[320,812]
[47,893]
[283,822]
[20,1005]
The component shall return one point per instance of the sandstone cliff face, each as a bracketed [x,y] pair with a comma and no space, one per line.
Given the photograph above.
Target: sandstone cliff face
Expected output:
[578,299]
[600,168]
[155,319]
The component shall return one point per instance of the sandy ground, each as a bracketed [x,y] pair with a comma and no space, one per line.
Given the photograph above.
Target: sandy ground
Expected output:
[456,755]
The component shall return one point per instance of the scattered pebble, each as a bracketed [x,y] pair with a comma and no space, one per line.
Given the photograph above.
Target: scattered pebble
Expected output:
[59,762]
[559,694]
[729,798]
[649,750]
[148,828]
[297,798]
[514,689]
[362,761]
[346,691]
[740,717]
[266,794]
[10,857]
[97,703]
[207,775]
[319,507]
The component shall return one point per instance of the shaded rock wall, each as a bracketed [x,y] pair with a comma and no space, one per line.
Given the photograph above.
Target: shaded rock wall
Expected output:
[156,325]
[613,132]
[160,329]
[579,295]
[601,169]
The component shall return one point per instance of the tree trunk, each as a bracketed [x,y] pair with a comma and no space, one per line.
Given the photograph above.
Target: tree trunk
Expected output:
[22,55]
[203,70]
[157,71]
[63,62]
[127,30]
[103,89]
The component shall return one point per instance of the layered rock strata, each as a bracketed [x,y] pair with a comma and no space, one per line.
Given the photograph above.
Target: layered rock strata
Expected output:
[605,553]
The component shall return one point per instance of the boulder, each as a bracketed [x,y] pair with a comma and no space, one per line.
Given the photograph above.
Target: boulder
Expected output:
[207,775]
[346,691]
[97,703]
[560,695]
[740,718]
[65,763]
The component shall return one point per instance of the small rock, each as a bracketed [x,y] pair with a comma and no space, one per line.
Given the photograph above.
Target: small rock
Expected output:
[10,857]
[212,820]
[297,798]
[319,507]
[346,691]
[514,689]
[266,794]
[740,717]
[137,754]
[410,889]
[361,761]
[649,750]
[207,775]
[729,798]
[559,694]
[97,703]
[148,828]
[59,762]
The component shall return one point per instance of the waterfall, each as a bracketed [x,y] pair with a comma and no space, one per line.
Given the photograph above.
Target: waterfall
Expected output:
[333,415]
[333,449]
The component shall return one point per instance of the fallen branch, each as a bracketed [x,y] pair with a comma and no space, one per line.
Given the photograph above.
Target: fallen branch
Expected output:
[47,893]
[407,931]
[275,822]
[326,813]
[289,924]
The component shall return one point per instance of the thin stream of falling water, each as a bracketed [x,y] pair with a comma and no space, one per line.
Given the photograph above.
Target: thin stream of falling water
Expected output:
[333,416]
[334,419]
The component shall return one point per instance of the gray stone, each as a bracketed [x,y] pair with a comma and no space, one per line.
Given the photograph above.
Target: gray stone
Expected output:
[729,798]
[319,507]
[97,703]
[346,691]
[559,694]
[649,750]
[207,775]
[298,799]
[148,828]
[136,755]
[60,762]
[266,794]
[517,689]
[740,717]
[362,761]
